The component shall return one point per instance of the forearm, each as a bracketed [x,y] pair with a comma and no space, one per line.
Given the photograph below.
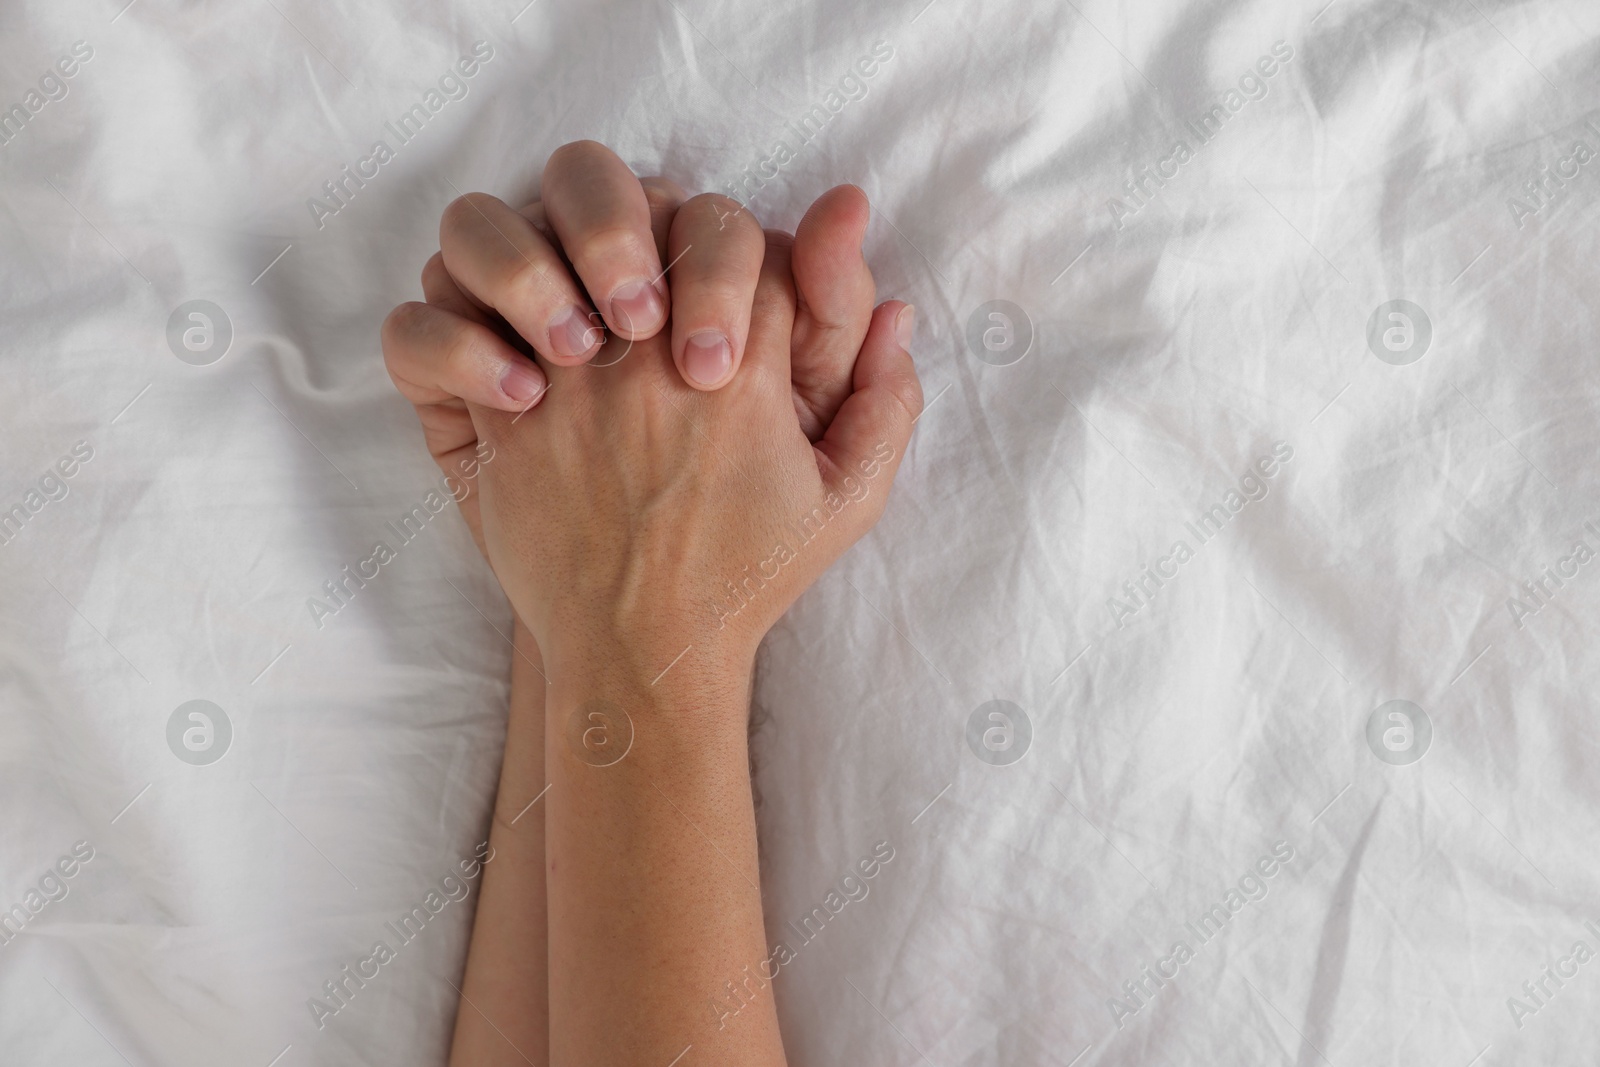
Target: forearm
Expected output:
[622,932]
[503,1018]
[653,875]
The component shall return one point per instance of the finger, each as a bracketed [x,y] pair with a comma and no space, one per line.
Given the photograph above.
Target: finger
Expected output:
[716,255]
[436,356]
[499,256]
[834,294]
[600,213]
[665,197]
[771,315]
[441,290]
[446,424]
[873,426]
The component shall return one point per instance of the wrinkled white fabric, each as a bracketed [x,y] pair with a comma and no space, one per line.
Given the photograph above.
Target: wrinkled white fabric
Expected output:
[1196,717]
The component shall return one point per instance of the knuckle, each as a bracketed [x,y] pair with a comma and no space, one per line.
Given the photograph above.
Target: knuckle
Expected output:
[907,389]
[401,322]
[758,378]
[722,212]
[434,273]
[615,243]
[717,293]
[574,160]
[465,210]
[577,150]
[712,202]
[537,281]
[460,353]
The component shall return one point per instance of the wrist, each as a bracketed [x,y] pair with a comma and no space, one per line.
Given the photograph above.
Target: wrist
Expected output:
[645,635]
[653,655]
[687,685]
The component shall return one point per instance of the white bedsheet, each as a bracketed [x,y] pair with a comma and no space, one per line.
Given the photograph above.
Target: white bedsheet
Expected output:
[1182,331]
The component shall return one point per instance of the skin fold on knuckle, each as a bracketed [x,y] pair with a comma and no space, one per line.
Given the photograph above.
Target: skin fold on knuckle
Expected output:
[720,215]
[616,246]
[906,388]
[466,360]
[576,155]
[759,392]
[466,212]
[400,326]
[533,283]
[723,292]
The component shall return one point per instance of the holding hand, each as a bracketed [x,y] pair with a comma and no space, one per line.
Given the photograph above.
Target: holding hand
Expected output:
[461,344]
[621,510]
[685,475]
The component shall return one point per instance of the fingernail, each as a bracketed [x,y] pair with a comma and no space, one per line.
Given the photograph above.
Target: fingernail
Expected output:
[707,357]
[522,383]
[570,332]
[903,325]
[637,306]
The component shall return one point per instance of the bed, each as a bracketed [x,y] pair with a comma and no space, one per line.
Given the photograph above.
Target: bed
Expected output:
[1217,687]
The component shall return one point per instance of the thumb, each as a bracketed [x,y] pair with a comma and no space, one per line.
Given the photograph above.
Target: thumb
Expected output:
[834,291]
[873,426]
